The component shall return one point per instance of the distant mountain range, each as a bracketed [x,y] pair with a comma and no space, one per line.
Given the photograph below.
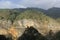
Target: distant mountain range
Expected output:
[52,12]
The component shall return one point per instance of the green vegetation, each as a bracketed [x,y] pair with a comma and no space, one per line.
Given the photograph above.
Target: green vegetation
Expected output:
[8,14]
[4,14]
[58,19]
[29,13]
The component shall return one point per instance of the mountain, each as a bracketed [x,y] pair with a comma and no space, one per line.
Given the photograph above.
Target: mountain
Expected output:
[8,13]
[13,22]
[36,19]
[31,14]
[53,12]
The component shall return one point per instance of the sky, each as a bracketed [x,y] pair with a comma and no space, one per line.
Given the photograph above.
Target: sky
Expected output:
[45,4]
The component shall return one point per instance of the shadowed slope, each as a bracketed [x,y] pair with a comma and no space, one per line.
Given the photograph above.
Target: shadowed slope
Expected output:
[3,37]
[31,34]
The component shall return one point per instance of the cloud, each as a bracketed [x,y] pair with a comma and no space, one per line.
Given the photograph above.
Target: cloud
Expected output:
[9,4]
[4,4]
[45,4]
[57,4]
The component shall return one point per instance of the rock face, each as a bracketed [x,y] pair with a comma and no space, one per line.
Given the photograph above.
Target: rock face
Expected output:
[42,27]
[22,24]
[19,26]
[4,25]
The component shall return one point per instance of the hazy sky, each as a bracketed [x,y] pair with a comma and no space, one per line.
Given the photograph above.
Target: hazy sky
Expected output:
[45,4]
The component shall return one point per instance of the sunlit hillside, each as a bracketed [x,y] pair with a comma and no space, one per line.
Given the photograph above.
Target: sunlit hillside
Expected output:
[14,21]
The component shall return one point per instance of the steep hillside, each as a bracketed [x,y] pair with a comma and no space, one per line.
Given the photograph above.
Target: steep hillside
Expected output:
[4,13]
[36,19]
[53,12]
[16,20]
[31,14]
[8,14]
